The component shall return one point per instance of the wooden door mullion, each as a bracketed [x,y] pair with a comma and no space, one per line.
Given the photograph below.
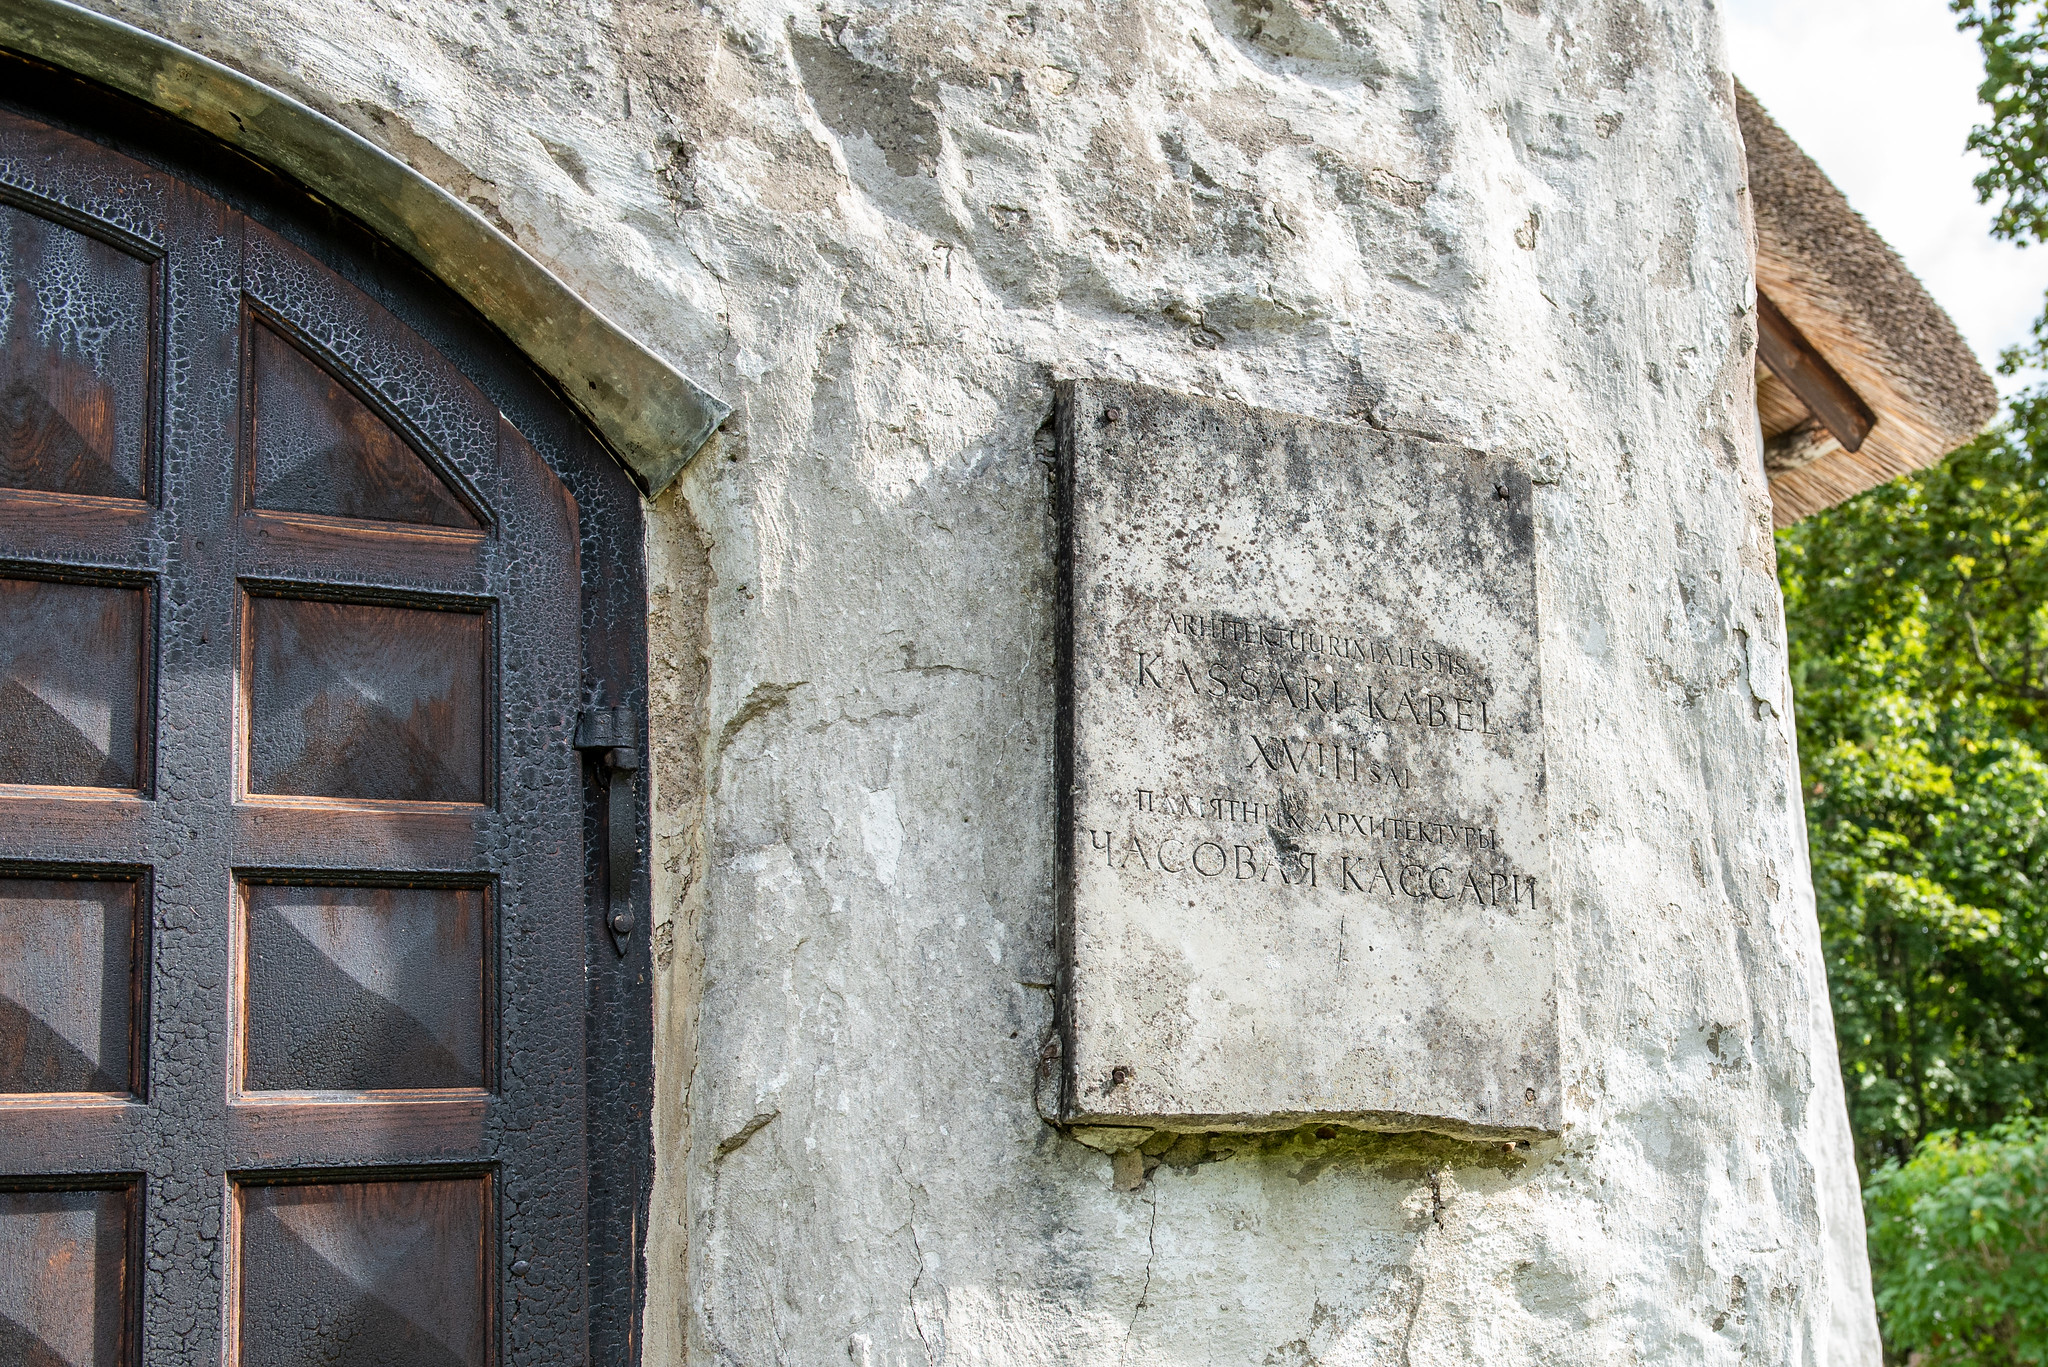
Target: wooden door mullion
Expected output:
[183,1195]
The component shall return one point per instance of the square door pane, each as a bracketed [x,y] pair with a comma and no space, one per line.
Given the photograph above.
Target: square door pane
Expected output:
[385,1273]
[64,1278]
[68,950]
[71,683]
[361,700]
[363,989]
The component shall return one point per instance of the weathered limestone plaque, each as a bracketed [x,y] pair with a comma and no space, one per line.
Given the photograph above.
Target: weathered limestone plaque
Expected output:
[1304,865]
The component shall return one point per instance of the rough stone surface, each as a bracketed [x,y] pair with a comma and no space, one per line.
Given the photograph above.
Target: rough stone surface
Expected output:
[1301,759]
[882,232]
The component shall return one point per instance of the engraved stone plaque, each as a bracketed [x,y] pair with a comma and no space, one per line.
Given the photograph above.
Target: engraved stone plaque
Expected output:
[1303,864]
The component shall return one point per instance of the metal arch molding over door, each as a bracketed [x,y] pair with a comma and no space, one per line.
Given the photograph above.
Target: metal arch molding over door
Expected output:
[293,880]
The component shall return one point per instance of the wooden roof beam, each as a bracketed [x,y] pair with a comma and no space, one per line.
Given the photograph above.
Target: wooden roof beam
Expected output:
[1807,374]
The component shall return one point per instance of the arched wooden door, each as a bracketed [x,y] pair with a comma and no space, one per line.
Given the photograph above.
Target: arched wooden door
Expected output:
[295,917]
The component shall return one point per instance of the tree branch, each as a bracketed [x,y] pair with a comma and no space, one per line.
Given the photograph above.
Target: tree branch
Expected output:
[2030,691]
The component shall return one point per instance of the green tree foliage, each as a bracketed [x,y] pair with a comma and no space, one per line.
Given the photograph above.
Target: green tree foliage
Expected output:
[1919,651]
[1919,616]
[2014,144]
[1959,1248]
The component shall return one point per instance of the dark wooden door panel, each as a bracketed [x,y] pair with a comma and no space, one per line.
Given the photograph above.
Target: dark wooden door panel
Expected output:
[66,1278]
[358,989]
[73,683]
[75,359]
[365,700]
[330,321]
[69,989]
[390,1273]
[319,448]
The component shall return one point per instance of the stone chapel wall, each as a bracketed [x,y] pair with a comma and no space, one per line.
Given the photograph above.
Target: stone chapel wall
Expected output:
[883,234]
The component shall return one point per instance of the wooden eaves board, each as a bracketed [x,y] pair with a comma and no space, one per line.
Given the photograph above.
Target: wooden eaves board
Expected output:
[1848,294]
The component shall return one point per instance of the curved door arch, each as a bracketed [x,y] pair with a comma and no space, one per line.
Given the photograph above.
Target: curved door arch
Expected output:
[295,904]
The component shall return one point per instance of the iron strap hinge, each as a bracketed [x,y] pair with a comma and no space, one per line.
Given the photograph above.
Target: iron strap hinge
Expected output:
[611,737]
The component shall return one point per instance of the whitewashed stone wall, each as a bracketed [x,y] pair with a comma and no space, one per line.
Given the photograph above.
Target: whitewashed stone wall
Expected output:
[881,233]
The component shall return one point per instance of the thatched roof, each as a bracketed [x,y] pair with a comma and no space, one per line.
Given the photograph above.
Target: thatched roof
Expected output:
[1858,312]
